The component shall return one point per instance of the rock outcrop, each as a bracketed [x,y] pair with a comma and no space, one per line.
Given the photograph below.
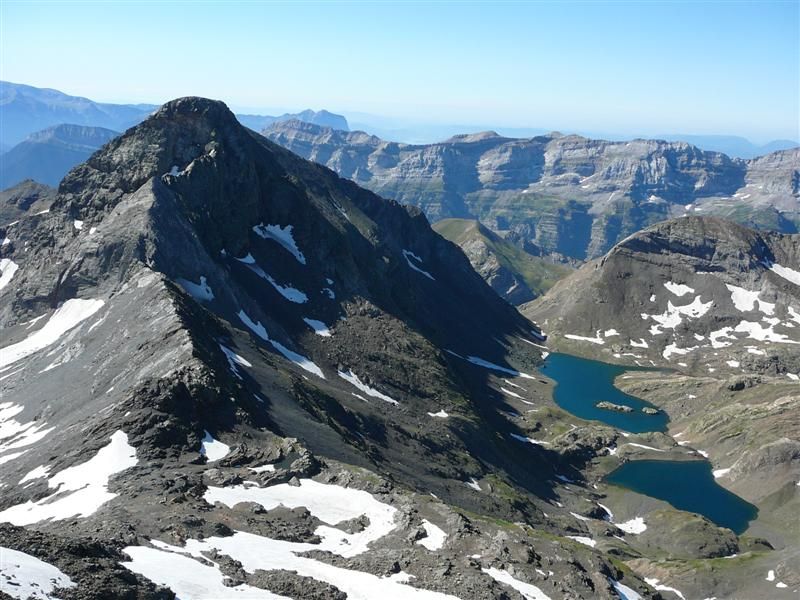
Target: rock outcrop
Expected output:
[567,194]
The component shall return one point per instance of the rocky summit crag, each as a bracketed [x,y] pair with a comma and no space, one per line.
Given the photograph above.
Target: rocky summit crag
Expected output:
[567,195]
[227,372]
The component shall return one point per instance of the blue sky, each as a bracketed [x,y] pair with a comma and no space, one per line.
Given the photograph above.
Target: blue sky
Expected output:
[625,67]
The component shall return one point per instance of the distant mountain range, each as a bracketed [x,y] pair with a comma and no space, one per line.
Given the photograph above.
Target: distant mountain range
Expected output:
[46,132]
[47,155]
[734,146]
[28,109]
[430,133]
[565,195]
[323,118]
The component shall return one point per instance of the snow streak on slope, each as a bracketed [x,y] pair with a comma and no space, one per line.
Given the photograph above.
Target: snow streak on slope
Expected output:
[282,235]
[80,490]
[68,315]
[298,359]
[7,269]
[527,590]
[26,577]
[353,379]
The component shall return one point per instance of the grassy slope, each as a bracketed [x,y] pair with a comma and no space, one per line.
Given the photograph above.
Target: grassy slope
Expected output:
[539,274]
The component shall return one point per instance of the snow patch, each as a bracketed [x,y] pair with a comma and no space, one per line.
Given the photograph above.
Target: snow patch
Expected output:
[788,274]
[408,256]
[758,332]
[234,360]
[292,294]
[586,541]
[68,315]
[678,289]
[26,577]
[213,449]
[318,326]
[643,447]
[745,300]
[353,379]
[298,359]
[80,490]
[624,592]
[473,484]
[582,338]
[7,269]
[282,235]
[635,525]
[441,414]
[480,362]
[14,434]
[673,316]
[39,472]
[653,582]
[434,536]
[77,224]
[527,590]
[201,291]
[721,472]
[528,440]
[673,349]
[263,469]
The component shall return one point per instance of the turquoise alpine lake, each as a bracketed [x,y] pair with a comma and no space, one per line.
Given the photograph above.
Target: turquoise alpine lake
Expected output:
[582,383]
[687,485]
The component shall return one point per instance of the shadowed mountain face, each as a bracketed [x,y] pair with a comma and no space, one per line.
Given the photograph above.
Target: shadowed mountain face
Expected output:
[47,155]
[566,194]
[512,272]
[209,340]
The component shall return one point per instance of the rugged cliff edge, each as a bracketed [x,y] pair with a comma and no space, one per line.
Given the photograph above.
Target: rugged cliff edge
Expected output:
[567,194]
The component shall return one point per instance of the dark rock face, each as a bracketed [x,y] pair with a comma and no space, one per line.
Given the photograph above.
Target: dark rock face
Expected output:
[567,194]
[47,155]
[27,197]
[200,303]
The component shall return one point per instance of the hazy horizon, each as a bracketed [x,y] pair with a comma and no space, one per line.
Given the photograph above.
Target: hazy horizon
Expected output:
[647,68]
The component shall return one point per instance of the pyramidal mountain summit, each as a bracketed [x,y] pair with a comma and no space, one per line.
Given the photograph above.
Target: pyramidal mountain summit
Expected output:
[227,372]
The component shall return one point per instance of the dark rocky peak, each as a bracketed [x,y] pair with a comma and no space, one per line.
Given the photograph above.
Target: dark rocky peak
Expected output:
[174,136]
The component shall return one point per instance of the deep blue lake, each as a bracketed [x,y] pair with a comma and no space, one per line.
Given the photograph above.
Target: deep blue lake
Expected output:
[582,383]
[686,485]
